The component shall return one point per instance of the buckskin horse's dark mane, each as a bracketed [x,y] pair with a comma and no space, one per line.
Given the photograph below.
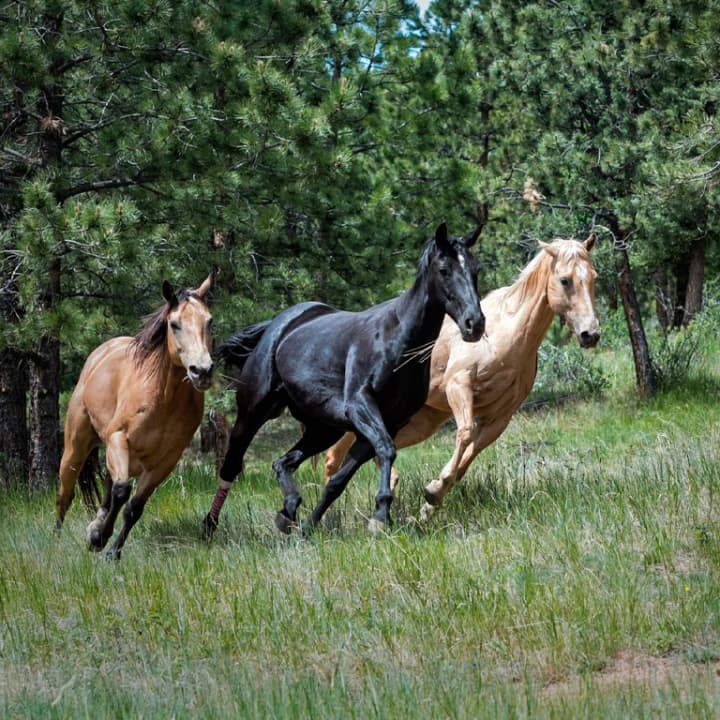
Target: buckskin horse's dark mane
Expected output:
[149,343]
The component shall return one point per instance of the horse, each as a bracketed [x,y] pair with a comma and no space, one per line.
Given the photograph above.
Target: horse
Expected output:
[481,385]
[335,371]
[143,399]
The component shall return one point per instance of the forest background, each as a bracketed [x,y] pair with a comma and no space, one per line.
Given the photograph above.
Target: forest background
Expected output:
[308,149]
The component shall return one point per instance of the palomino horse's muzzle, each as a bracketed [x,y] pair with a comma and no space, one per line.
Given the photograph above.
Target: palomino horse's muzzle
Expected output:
[588,339]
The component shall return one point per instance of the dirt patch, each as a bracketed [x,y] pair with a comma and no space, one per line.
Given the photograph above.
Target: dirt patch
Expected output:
[632,668]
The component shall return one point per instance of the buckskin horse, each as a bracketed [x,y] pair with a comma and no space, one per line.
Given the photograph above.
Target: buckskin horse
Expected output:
[481,385]
[336,371]
[143,399]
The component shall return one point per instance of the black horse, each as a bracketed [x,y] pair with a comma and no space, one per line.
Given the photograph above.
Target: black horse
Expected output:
[367,372]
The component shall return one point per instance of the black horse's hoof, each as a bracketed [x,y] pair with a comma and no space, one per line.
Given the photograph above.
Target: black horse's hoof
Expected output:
[209,526]
[283,523]
[113,554]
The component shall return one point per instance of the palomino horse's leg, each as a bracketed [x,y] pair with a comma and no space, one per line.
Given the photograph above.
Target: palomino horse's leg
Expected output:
[481,438]
[118,463]
[314,440]
[460,398]
[360,453]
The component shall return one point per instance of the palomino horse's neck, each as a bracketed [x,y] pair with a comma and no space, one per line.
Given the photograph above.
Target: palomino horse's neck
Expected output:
[526,302]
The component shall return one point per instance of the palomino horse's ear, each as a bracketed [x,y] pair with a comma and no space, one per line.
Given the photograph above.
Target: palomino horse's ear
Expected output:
[471,238]
[589,241]
[550,249]
[169,294]
[203,290]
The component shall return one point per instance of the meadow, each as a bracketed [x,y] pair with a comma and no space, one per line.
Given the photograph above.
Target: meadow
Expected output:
[573,573]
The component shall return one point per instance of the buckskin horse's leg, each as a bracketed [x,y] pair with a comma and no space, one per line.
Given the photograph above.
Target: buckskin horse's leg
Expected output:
[118,463]
[135,506]
[315,439]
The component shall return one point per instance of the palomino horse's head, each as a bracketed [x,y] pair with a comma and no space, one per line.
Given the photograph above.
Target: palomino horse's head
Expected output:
[457,272]
[189,339]
[571,287]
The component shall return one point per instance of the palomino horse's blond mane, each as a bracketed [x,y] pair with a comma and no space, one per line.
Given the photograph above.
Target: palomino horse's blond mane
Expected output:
[534,276]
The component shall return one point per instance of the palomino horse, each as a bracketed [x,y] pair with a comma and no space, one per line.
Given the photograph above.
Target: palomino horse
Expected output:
[143,398]
[336,371]
[482,385]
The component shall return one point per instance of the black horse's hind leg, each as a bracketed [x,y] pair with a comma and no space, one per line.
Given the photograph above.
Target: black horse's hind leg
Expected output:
[314,440]
[360,453]
[246,426]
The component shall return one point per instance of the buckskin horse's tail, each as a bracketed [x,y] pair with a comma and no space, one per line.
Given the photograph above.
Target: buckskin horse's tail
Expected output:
[88,480]
[237,348]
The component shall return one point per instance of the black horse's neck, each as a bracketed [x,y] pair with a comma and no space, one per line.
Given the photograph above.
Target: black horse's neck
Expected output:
[420,309]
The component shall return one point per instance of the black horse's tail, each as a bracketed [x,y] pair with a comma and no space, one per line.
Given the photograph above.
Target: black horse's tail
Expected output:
[88,480]
[237,348]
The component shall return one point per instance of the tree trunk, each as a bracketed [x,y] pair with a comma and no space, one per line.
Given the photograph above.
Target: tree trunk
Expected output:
[663,299]
[45,365]
[644,370]
[682,272]
[696,279]
[14,442]
[44,413]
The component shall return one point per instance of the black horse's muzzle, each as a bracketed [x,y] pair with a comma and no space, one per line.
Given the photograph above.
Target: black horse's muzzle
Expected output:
[472,326]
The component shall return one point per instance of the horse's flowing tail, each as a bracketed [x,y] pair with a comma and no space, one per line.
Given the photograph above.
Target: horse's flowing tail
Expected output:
[88,481]
[237,348]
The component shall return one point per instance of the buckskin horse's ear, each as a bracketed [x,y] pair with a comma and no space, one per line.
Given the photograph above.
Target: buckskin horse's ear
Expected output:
[169,294]
[203,290]
[589,241]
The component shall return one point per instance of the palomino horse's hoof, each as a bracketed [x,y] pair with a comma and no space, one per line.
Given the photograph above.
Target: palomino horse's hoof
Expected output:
[209,526]
[283,523]
[376,527]
[426,512]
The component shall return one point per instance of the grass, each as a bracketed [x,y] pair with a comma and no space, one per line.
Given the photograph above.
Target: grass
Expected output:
[575,572]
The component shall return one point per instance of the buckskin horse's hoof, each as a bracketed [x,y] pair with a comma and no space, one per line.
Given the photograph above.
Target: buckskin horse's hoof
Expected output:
[283,523]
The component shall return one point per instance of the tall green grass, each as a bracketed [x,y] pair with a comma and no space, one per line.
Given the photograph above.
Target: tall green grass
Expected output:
[587,534]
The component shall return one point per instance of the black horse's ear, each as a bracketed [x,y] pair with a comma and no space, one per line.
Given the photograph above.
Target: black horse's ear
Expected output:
[441,235]
[169,294]
[471,238]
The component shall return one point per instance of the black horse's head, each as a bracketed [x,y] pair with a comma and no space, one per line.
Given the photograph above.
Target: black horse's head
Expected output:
[456,272]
